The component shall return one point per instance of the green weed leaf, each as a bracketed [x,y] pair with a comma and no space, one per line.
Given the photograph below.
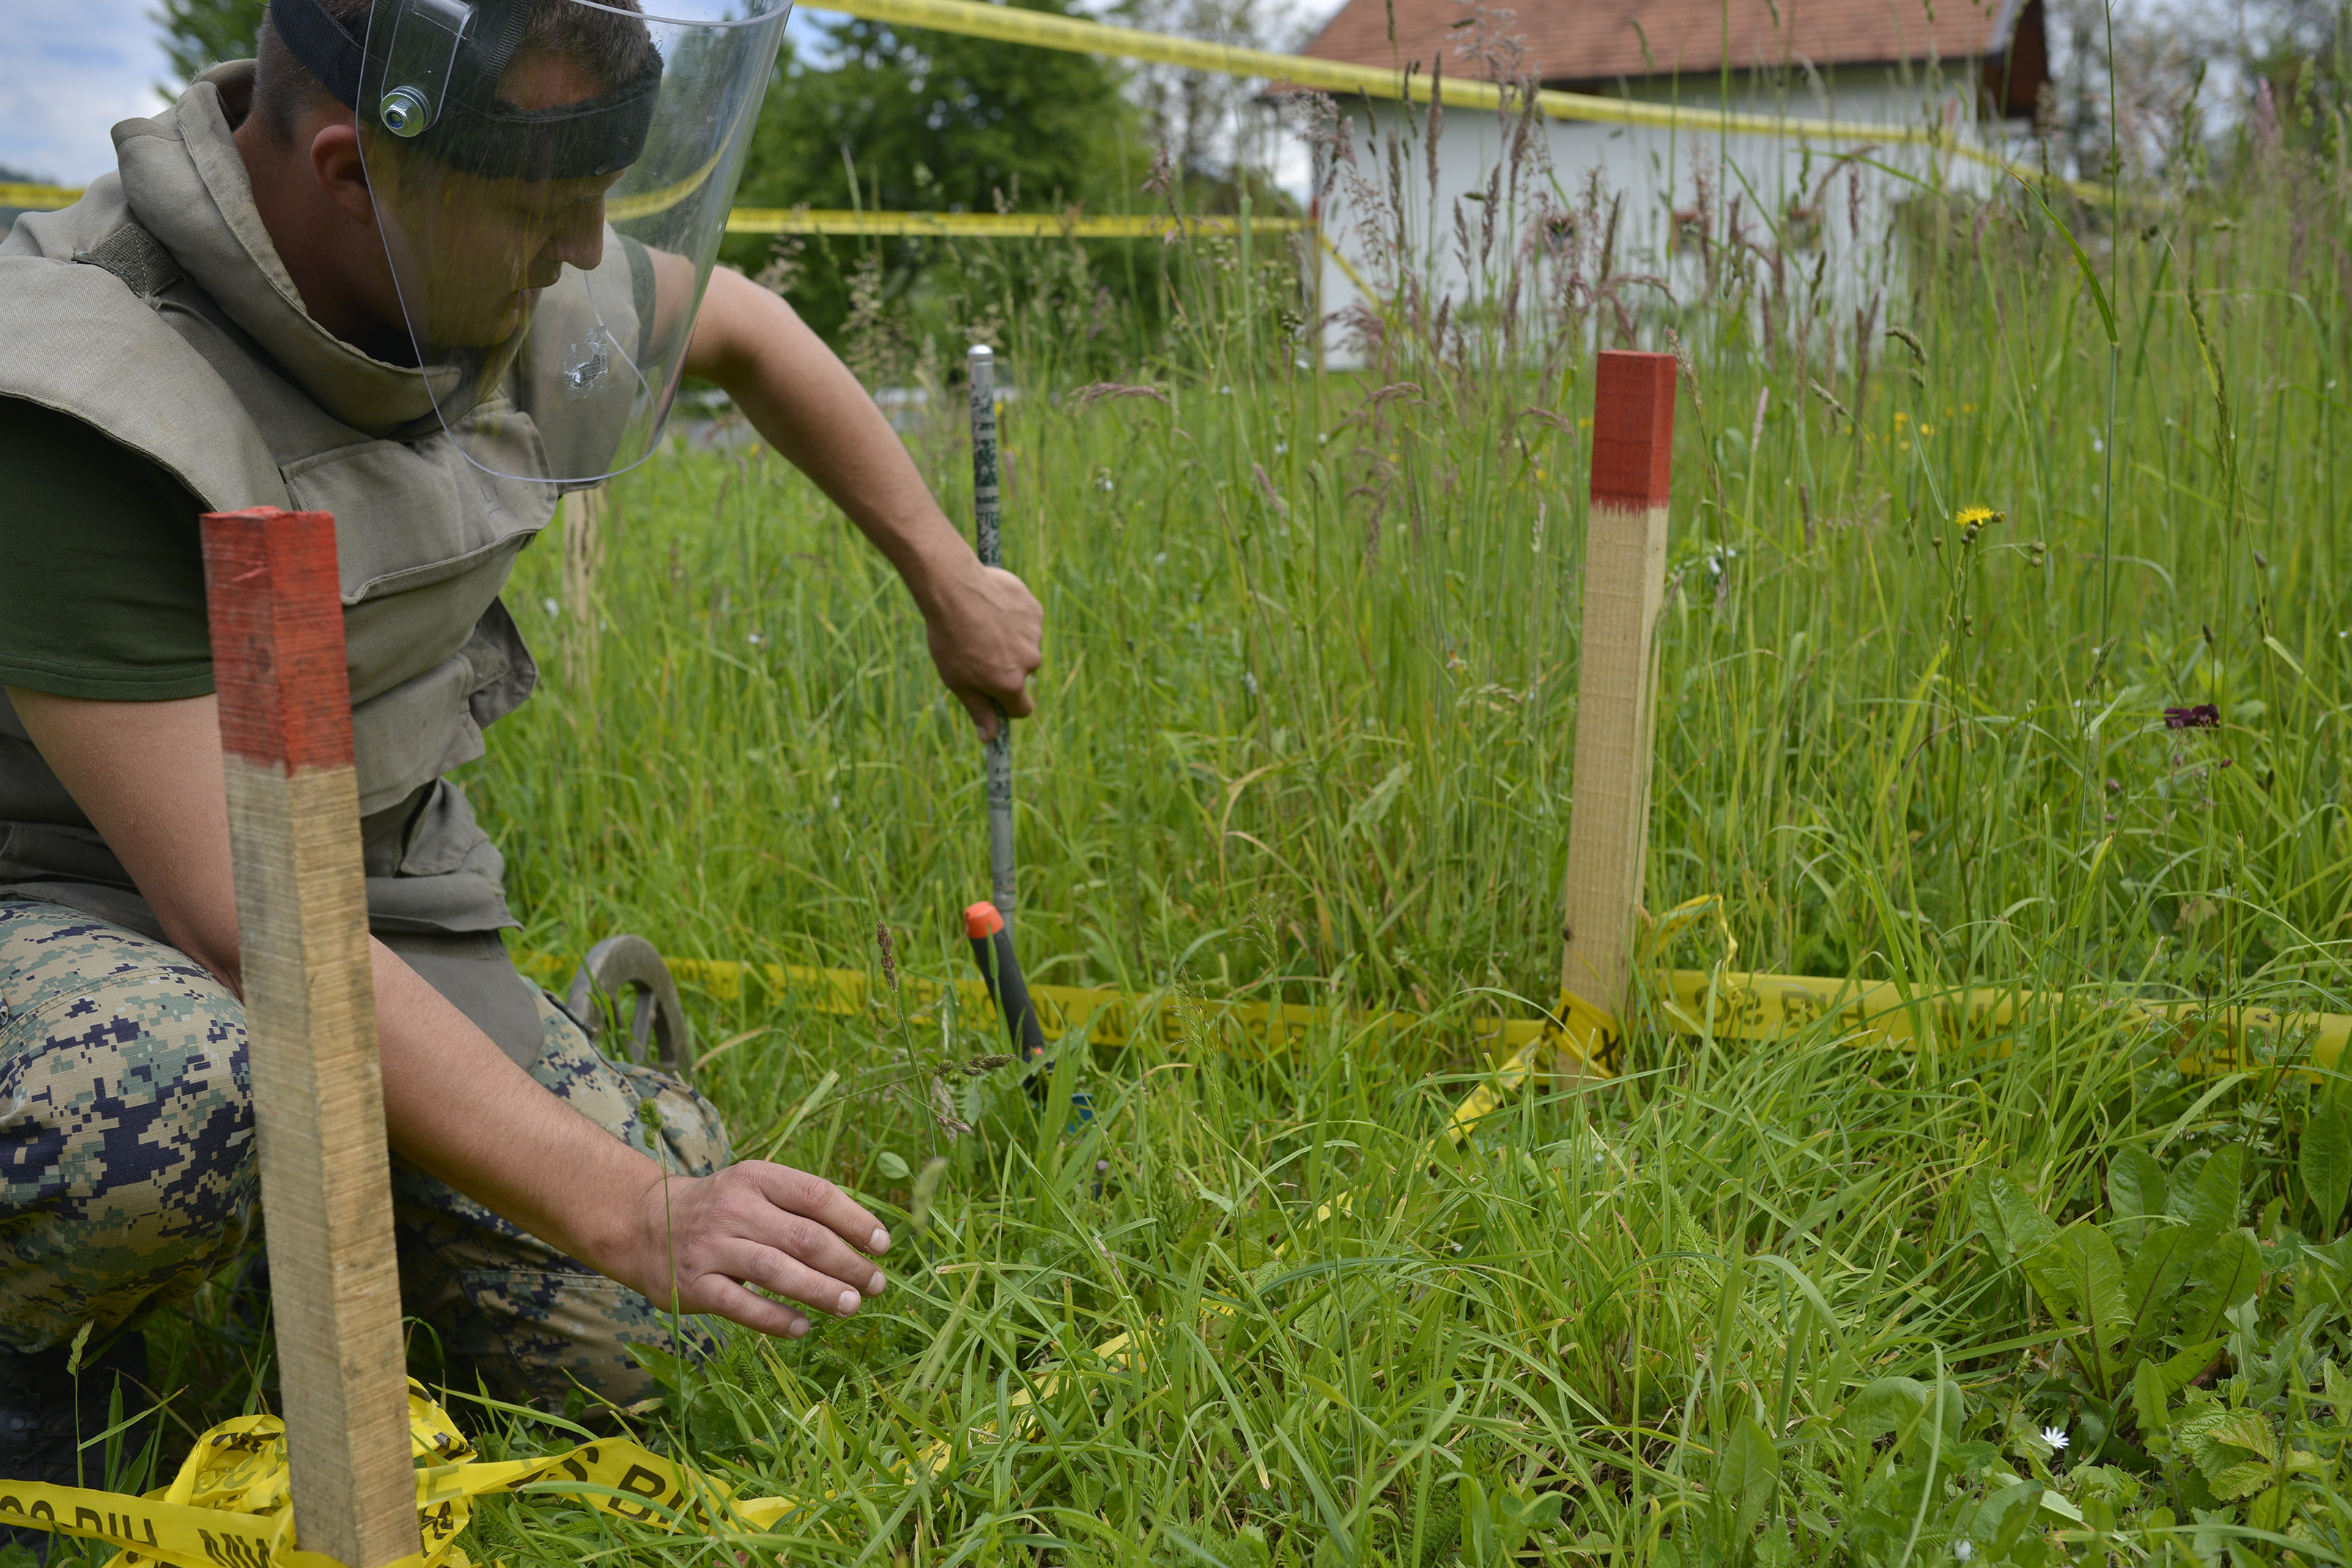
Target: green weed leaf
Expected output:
[1987,1213]
[2270,1510]
[2245,1429]
[2212,1201]
[1478,1540]
[2005,1514]
[2240,1480]
[2028,1229]
[2089,1279]
[2096,1275]
[1748,1475]
[2158,1272]
[2338,1388]
[2222,1279]
[2182,1367]
[2148,1397]
[1890,1404]
[1520,1509]
[892,1168]
[2045,1269]
[2325,1163]
[2322,1274]
[2135,1185]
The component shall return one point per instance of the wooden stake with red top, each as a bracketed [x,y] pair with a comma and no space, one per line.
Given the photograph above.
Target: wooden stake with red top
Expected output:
[310,1006]
[1624,588]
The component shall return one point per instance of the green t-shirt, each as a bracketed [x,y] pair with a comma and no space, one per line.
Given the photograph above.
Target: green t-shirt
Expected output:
[104,566]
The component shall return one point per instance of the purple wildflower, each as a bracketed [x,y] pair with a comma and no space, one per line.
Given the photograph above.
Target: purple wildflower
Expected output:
[2204,716]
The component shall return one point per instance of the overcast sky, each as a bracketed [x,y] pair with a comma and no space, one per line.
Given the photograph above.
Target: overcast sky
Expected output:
[74,68]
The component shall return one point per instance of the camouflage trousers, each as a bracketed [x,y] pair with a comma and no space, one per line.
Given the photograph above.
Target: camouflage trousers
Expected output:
[128,1175]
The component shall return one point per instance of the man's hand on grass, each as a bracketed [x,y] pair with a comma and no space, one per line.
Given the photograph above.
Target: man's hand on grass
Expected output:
[698,1243]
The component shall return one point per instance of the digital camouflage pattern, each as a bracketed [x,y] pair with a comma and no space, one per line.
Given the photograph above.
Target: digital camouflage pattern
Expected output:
[126,1125]
[128,1176]
[530,1320]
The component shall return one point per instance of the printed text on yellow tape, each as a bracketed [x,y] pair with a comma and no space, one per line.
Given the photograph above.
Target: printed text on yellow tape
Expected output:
[228,1506]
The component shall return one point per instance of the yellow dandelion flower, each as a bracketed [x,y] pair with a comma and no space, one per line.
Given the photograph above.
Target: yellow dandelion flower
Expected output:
[1973,521]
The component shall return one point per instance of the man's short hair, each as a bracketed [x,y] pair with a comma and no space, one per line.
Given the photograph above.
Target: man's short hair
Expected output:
[611,49]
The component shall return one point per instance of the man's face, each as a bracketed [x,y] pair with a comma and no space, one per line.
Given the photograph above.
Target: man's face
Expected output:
[474,252]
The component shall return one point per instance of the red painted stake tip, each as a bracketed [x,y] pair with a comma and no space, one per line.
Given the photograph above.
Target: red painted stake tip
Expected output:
[1632,429]
[277,612]
[981,920]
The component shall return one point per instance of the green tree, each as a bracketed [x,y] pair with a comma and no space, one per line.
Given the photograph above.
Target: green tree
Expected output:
[201,33]
[907,120]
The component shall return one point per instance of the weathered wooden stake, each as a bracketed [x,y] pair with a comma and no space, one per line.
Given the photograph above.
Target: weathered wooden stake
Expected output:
[1624,586]
[310,1009]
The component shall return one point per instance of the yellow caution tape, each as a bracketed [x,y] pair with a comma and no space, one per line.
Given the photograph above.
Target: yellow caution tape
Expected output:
[17,194]
[996,225]
[229,1508]
[1111,1017]
[1732,1007]
[1717,1003]
[1657,933]
[822,220]
[1587,1036]
[644,204]
[1047,30]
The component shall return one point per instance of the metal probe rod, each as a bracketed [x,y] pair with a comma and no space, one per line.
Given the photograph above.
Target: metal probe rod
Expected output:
[982,364]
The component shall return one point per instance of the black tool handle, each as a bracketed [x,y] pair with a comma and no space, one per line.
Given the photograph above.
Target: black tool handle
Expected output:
[991,949]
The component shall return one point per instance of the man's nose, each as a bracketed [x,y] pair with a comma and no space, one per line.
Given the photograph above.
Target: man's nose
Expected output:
[579,236]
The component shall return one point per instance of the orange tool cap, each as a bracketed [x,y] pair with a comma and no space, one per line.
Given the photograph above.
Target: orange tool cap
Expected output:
[981,920]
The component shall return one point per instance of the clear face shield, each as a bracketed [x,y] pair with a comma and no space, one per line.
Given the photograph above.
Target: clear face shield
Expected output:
[551,179]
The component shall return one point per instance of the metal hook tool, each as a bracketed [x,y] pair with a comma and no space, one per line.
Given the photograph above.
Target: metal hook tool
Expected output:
[991,929]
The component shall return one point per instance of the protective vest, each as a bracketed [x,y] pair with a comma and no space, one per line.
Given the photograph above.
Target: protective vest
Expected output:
[157,310]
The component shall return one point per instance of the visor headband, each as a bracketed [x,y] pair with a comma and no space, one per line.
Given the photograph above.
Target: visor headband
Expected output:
[474,133]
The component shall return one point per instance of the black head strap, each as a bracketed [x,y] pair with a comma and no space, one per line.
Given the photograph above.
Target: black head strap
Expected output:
[324,45]
[475,131]
[581,141]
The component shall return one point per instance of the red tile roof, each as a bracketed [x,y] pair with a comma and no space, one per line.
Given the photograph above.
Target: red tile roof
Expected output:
[1588,41]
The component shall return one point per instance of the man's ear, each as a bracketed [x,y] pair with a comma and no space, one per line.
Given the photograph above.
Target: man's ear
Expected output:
[341,172]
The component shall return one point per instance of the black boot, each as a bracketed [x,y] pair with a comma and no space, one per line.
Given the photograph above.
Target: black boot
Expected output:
[46,1414]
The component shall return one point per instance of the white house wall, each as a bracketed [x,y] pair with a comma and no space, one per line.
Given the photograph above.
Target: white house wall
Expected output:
[1846,209]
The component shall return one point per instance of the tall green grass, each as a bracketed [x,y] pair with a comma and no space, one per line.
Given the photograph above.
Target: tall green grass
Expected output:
[1304,729]
[1305,716]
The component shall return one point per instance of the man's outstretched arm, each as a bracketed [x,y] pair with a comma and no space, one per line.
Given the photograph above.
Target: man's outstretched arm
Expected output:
[984,626]
[147,774]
